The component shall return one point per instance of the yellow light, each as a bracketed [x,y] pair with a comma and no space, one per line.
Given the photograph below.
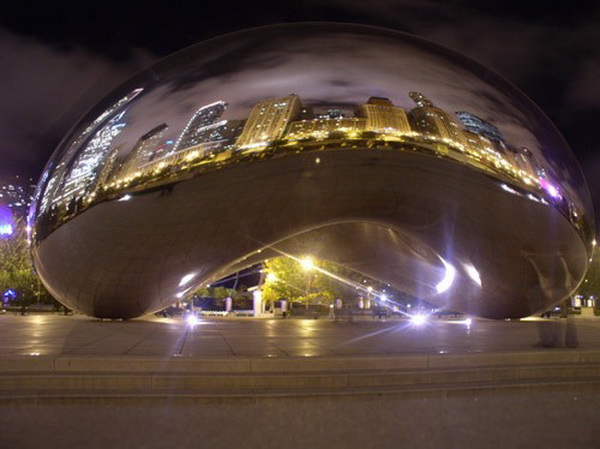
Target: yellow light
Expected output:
[307,263]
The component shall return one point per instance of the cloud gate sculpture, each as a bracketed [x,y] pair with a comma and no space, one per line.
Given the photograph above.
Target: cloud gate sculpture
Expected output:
[363,146]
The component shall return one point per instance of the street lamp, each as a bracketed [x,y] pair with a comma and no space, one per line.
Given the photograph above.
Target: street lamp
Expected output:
[307,264]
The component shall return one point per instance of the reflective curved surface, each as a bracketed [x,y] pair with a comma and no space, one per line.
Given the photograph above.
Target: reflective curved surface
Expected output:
[363,146]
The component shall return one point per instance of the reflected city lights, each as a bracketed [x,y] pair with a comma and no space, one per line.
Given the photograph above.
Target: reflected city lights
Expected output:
[448,279]
[473,273]
[419,319]
[192,319]
[6,230]
[186,279]
[509,189]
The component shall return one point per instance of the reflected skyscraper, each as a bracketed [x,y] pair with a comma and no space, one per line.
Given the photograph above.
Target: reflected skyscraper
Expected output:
[268,121]
[55,176]
[383,117]
[83,175]
[479,126]
[144,150]
[202,124]
[432,121]
[111,167]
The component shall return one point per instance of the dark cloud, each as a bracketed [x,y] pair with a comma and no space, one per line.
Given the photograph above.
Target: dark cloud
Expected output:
[45,90]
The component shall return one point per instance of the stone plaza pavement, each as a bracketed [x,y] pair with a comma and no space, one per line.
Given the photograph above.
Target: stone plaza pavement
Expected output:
[54,335]
[72,381]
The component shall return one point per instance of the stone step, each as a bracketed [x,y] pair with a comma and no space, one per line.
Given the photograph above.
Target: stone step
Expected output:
[576,387]
[72,378]
[173,381]
[229,365]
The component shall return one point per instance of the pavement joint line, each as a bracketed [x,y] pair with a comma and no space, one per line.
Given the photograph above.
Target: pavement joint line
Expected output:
[75,363]
[254,394]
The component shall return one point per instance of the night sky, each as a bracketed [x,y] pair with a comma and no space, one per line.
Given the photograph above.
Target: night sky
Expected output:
[58,59]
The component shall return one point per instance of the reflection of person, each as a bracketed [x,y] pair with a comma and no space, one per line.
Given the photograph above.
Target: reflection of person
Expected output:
[571,339]
[550,334]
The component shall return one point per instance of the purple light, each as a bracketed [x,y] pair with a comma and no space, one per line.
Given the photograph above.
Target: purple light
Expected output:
[7,224]
[551,189]
[6,230]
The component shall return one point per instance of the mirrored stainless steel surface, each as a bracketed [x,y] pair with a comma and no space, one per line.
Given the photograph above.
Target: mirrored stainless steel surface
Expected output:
[363,146]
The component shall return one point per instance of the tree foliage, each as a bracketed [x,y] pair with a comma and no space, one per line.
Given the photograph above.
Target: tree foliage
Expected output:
[290,279]
[215,292]
[591,283]
[16,269]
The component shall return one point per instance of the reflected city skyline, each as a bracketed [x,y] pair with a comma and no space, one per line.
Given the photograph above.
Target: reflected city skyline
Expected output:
[104,171]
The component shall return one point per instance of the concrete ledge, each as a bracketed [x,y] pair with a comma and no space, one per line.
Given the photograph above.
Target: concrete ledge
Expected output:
[194,397]
[149,364]
[243,378]
[245,365]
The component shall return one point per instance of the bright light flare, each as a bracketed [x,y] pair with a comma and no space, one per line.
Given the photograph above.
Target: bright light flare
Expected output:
[307,263]
[419,319]
[448,279]
[509,189]
[473,273]
[187,278]
[6,230]
[192,319]
[550,188]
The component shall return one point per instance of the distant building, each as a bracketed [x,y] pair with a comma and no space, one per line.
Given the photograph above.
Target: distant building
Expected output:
[480,144]
[111,167]
[17,195]
[218,137]
[321,127]
[83,175]
[383,117]
[228,133]
[269,120]
[143,151]
[77,170]
[200,126]
[162,150]
[526,161]
[429,120]
[332,113]
[479,126]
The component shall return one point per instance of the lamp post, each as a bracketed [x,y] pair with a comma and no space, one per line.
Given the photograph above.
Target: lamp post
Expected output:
[307,264]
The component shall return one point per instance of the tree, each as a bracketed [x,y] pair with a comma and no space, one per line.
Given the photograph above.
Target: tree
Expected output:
[293,280]
[591,283]
[16,269]
[285,279]
[214,292]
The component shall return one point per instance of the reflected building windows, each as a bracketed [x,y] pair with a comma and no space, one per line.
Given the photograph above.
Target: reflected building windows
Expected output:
[383,117]
[268,121]
[429,120]
[144,150]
